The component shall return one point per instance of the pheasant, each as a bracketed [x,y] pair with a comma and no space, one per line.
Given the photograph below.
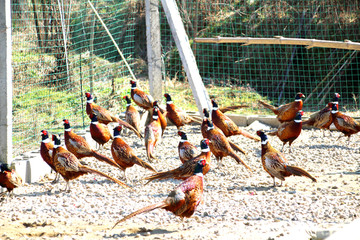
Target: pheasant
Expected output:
[276,164]
[187,168]
[152,134]
[70,168]
[344,123]
[124,155]
[186,149]
[132,115]
[288,111]
[103,115]
[289,131]
[227,126]
[323,118]
[9,179]
[162,117]
[176,115]
[183,200]
[220,146]
[142,99]
[99,132]
[46,150]
[204,127]
[78,146]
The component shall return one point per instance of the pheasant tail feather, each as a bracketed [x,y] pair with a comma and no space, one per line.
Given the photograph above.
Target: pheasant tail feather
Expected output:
[106,159]
[239,160]
[90,170]
[142,210]
[272,108]
[299,172]
[236,148]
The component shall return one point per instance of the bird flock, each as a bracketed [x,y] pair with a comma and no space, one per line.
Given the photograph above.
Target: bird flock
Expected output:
[215,129]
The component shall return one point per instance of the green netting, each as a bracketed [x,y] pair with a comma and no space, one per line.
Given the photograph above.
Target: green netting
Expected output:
[60,51]
[274,71]
[50,77]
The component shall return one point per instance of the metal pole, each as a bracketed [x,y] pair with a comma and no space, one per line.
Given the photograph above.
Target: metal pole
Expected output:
[5,84]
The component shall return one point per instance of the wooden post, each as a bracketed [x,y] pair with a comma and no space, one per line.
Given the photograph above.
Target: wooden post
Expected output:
[153,48]
[5,84]
[187,57]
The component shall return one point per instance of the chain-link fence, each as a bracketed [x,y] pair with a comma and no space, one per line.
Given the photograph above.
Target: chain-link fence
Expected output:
[61,50]
[275,71]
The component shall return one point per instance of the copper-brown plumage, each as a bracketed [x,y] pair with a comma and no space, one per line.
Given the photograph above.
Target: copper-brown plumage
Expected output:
[187,168]
[99,132]
[344,123]
[176,115]
[183,200]
[46,150]
[78,146]
[204,127]
[275,164]
[231,108]
[9,178]
[220,146]
[153,133]
[141,98]
[132,115]
[227,126]
[103,115]
[186,149]
[70,168]
[162,117]
[289,131]
[286,112]
[124,155]
[323,118]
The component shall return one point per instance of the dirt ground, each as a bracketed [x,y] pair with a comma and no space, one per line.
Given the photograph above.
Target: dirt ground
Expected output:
[237,204]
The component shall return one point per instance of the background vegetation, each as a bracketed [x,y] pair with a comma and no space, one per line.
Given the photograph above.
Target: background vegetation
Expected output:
[61,51]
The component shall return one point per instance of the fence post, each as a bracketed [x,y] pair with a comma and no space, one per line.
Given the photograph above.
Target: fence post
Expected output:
[153,48]
[187,56]
[5,84]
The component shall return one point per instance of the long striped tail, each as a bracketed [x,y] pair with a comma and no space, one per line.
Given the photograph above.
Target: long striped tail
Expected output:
[196,119]
[239,160]
[272,133]
[142,210]
[299,172]
[105,159]
[175,174]
[248,135]
[236,148]
[91,170]
[232,108]
[127,125]
[144,164]
[271,107]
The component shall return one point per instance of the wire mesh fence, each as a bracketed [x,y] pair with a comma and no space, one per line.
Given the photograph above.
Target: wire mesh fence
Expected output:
[274,71]
[60,51]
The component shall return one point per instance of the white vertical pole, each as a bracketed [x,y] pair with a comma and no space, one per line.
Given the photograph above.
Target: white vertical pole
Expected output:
[153,48]
[186,54]
[5,83]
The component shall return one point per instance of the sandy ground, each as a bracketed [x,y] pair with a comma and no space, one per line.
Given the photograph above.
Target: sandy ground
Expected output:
[237,204]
